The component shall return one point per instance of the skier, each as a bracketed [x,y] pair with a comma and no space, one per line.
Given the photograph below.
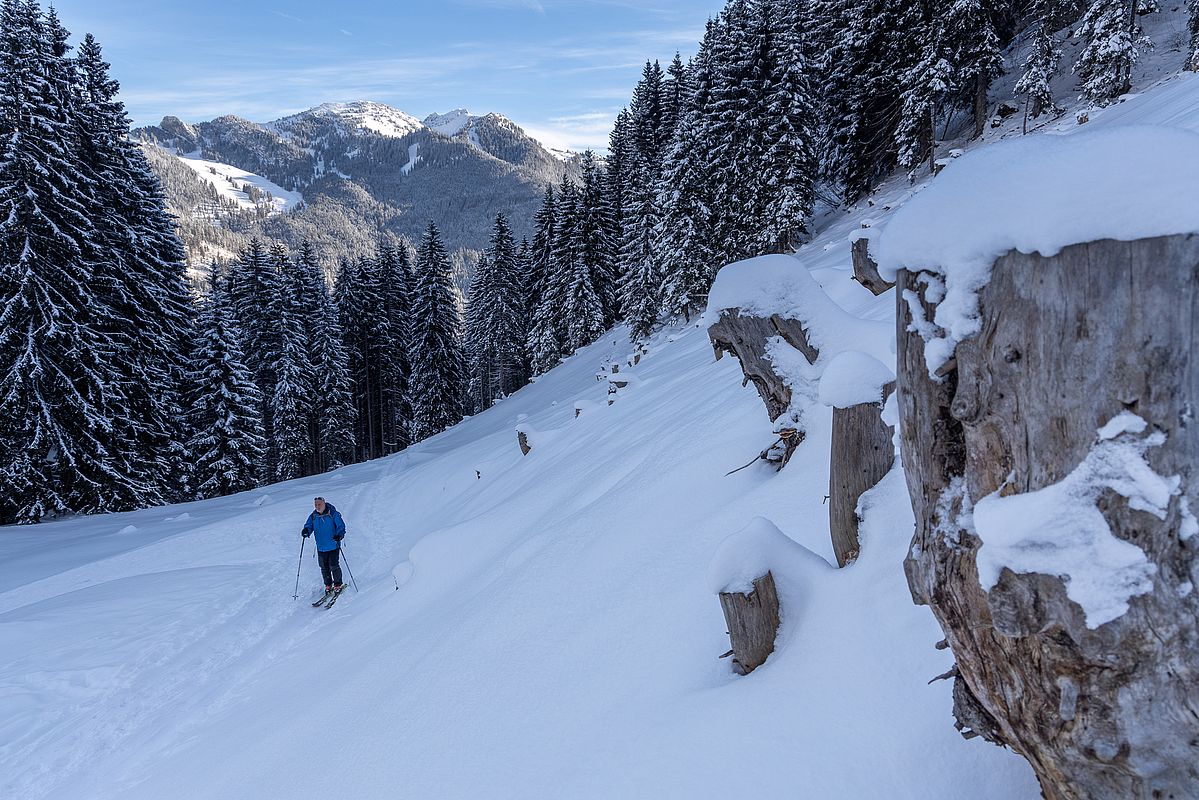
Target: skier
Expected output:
[325,521]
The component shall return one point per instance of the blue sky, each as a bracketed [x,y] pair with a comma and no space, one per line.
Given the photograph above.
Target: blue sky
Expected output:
[560,68]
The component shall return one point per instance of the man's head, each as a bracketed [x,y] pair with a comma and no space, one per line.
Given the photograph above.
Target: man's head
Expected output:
[319,504]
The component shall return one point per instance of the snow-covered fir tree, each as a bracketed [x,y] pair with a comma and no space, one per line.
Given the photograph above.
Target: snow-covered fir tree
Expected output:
[1112,43]
[365,331]
[227,442]
[595,248]
[395,285]
[142,275]
[292,389]
[541,342]
[253,286]
[683,253]
[61,398]
[477,343]
[438,364]
[1040,68]
[788,167]
[331,406]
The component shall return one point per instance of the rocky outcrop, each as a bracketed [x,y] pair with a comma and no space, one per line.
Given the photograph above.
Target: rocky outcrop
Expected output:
[1071,414]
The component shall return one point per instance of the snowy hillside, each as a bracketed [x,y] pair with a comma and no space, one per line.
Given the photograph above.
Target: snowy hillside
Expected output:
[245,188]
[523,626]
[551,634]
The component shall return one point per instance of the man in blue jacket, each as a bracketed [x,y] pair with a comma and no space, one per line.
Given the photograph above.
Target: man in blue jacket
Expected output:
[326,523]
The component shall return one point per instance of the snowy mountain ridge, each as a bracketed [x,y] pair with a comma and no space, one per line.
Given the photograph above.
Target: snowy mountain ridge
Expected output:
[358,115]
[354,160]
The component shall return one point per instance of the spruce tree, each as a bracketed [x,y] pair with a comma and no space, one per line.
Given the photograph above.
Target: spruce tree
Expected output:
[1192,62]
[1112,42]
[438,365]
[541,342]
[292,387]
[144,276]
[506,308]
[395,285]
[253,287]
[595,248]
[227,442]
[788,169]
[365,331]
[1040,68]
[331,403]
[678,264]
[477,344]
[974,52]
[60,399]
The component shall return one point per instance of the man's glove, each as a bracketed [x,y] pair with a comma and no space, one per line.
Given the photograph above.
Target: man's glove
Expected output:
[305,532]
[338,537]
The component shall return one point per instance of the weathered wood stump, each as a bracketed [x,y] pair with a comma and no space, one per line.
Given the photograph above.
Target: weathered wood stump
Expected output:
[523,440]
[1066,344]
[753,622]
[861,455]
[865,269]
[745,335]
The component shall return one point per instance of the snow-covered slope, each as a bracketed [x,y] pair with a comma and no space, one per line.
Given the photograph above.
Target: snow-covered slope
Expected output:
[536,626]
[552,634]
[235,184]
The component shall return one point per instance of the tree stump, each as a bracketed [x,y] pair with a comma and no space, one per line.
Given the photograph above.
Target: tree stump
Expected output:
[865,269]
[1067,343]
[753,623]
[862,454]
[745,336]
[523,441]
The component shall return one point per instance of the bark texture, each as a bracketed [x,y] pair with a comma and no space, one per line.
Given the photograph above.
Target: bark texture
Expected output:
[865,269]
[862,454]
[753,621]
[745,335]
[1067,342]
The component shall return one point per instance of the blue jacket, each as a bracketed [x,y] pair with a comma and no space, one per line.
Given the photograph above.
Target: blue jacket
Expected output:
[326,526]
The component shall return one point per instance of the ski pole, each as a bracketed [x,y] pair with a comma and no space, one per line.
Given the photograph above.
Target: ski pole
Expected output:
[343,558]
[303,541]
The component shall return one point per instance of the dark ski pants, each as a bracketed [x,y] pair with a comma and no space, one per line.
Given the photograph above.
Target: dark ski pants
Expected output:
[330,566]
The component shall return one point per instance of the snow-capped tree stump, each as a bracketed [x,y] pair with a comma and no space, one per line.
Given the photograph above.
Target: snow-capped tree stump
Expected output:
[745,336]
[865,269]
[523,440]
[862,454]
[753,622]
[1067,343]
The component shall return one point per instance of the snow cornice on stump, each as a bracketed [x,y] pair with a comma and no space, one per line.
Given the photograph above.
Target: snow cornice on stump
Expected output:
[1037,194]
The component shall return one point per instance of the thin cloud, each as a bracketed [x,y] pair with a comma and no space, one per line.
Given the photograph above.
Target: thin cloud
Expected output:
[286,16]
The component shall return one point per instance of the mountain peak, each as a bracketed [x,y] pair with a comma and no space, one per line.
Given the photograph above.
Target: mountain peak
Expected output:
[450,123]
[358,115]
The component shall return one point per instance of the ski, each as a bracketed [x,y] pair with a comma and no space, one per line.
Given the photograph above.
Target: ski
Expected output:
[336,593]
[323,598]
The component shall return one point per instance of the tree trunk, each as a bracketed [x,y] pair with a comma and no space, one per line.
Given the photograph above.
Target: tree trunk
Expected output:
[862,454]
[981,85]
[1067,343]
[865,269]
[753,621]
[745,337]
